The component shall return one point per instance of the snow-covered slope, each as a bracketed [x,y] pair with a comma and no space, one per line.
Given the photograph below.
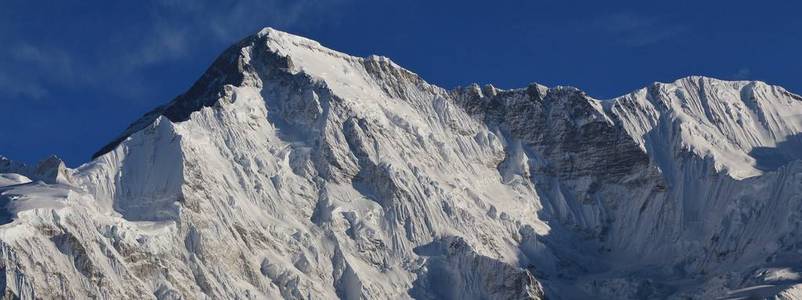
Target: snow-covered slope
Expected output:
[290,170]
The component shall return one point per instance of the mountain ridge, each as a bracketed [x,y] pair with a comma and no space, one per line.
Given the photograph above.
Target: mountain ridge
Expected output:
[292,170]
[222,67]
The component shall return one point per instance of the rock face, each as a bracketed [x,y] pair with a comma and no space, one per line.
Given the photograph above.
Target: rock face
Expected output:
[290,170]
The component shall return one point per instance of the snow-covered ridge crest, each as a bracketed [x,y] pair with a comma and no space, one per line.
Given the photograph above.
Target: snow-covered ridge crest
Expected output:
[50,170]
[290,170]
[732,122]
[340,72]
[289,45]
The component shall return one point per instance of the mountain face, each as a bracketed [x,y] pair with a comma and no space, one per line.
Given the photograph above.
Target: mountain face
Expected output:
[290,170]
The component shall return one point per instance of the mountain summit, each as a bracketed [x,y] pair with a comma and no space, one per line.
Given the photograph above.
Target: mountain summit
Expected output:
[290,170]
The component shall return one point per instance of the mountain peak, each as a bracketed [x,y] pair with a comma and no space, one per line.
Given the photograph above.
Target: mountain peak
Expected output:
[290,170]
[282,40]
[271,51]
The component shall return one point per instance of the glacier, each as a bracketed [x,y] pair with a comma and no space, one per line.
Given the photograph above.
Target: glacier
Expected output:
[290,170]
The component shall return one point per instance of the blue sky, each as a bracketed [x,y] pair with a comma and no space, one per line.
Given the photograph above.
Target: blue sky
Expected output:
[74,74]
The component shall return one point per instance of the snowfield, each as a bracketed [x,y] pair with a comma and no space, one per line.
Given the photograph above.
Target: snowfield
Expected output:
[290,170]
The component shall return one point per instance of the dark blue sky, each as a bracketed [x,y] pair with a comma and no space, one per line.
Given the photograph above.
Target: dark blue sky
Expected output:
[73,76]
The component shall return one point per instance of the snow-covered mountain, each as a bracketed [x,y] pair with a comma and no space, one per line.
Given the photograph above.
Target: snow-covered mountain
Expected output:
[290,170]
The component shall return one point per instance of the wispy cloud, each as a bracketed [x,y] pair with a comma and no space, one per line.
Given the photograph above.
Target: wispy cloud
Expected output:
[21,88]
[742,74]
[175,30]
[29,70]
[52,65]
[635,30]
[230,19]
[163,43]
[179,25]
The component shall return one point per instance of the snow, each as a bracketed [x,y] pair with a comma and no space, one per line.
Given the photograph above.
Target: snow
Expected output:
[12,179]
[35,196]
[724,120]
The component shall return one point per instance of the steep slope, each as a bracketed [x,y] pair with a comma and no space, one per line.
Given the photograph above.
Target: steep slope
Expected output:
[314,175]
[673,174]
[290,170]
